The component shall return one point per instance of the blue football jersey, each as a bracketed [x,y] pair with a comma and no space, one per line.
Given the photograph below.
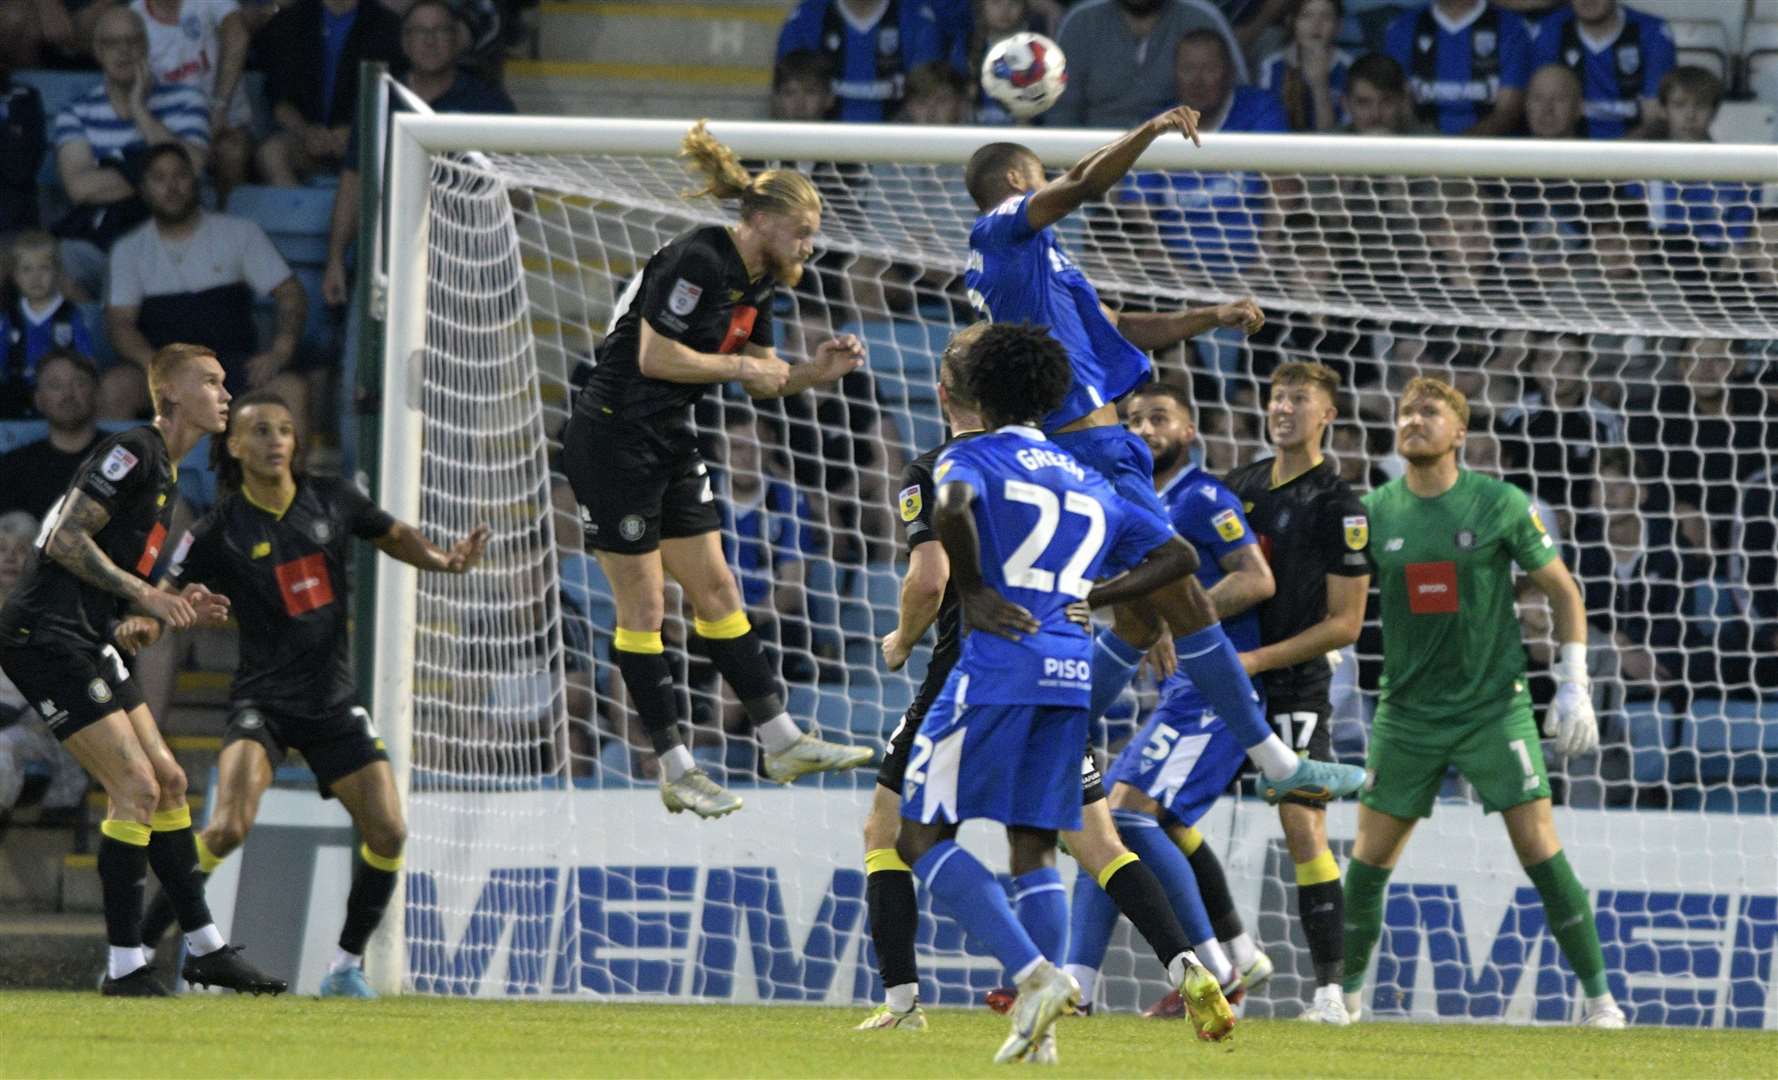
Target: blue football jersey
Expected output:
[1048,527]
[1020,275]
[1615,76]
[1457,70]
[1209,516]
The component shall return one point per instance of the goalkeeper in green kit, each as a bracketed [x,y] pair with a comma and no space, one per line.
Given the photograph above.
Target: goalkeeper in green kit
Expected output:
[1453,692]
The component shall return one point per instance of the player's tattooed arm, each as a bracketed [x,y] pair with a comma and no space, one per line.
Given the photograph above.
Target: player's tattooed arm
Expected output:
[983,608]
[408,544]
[74,546]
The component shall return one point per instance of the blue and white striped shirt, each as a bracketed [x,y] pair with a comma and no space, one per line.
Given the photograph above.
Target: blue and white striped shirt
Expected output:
[184,110]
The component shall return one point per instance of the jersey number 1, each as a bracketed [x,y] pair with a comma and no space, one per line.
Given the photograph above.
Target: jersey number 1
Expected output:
[1021,570]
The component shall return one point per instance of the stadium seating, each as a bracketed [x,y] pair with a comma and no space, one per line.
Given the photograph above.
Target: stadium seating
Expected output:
[1733,740]
[1760,50]
[1707,34]
[297,220]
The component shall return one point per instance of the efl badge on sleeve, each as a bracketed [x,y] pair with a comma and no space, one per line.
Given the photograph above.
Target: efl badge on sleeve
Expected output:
[684,297]
[118,463]
[911,503]
[1229,527]
[1358,532]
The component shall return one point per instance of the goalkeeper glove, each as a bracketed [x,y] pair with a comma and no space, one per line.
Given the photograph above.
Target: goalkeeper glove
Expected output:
[1576,727]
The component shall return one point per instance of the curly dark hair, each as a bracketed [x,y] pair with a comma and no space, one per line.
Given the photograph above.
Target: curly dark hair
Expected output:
[1017,372]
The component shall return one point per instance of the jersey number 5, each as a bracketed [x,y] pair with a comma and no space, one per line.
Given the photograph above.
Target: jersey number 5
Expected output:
[1021,570]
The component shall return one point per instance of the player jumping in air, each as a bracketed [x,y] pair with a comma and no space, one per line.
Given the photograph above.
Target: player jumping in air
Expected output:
[1453,687]
[699,314]
[99,545]
[1184,757]
[1026,529]
[1039,897]
[279,545]
[1018,272]
[1313,531]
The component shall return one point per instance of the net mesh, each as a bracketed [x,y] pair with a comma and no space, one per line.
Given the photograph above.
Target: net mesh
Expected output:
[1614,341]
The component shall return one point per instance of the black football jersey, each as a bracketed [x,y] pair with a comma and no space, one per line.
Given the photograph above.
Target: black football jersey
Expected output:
[1308,527]
[694,291]
[131,475]
[285,577]
[915,506]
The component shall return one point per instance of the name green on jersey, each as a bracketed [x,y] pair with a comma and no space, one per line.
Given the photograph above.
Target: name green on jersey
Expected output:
[1451,640]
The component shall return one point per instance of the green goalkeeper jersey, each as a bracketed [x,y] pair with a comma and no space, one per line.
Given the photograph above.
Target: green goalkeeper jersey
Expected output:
[1451,640]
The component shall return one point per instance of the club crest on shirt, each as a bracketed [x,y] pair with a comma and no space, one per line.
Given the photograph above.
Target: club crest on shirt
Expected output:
[684,297]
[1228,525]
[118,464]
[63,334]
[1358,531]
[1484,42]
[1629,58]
[1465,539]
[322,531]
[910,502]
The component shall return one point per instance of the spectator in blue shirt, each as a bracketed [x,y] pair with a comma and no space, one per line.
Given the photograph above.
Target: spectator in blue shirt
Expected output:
[1620,55]
[102,140]
[21,152]
[1211,219]
[1468,62]
[34,321]
[1309,75]
[311,51]
[1699,216]
[873,44]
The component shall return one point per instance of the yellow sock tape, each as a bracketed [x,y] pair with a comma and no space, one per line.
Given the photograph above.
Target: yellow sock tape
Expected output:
[884,859]
[208,860]
[639,641]
[133,833]
[723,629]
[372,859]
[1321,868]
[1115,865]
[170,820]
[1191,840]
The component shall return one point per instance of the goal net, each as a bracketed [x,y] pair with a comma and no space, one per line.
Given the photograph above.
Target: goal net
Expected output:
[1609,310]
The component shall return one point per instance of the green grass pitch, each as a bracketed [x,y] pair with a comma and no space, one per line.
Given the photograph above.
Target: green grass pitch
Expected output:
[51,1034]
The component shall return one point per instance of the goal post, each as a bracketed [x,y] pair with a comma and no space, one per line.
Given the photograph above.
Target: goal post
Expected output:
[540,860]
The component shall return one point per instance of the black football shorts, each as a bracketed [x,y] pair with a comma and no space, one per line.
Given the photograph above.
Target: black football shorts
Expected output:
[71,687]
[334,744]
[637,483]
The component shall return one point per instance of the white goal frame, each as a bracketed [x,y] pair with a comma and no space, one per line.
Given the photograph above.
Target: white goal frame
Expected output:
[412,139]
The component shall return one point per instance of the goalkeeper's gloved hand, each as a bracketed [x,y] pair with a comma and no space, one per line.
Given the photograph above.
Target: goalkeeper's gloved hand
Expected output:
[1575,726]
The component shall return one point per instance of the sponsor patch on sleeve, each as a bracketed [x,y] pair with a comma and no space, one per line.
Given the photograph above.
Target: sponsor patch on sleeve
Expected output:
[117,464]
[1228,525]
[684,297]
[911,503]
[1358,531]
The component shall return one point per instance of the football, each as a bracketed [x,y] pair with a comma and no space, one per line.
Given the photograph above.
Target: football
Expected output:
[1026,73]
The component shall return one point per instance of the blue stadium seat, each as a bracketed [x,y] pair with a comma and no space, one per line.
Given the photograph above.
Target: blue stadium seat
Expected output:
[882,593]
[297,219]
[1731,737]
[1650,729]
[904,357]
[922,425]
[16,433]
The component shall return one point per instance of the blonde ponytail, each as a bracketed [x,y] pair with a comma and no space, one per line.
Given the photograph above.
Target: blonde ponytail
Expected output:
[774,191]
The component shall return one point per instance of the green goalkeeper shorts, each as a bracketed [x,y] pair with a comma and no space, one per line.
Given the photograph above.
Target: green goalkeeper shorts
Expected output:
[1502,757]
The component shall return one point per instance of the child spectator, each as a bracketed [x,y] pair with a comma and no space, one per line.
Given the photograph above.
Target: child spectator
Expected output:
[936,94]
[1378,100]
[802,86]
[872,45]
[35,320]
[1309,75]
[203,44]
[1700,218]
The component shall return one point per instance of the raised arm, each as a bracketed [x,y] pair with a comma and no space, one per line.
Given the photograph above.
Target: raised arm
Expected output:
[73,546]
[834,359]
[1098,172]
[408,544]
[1150,330]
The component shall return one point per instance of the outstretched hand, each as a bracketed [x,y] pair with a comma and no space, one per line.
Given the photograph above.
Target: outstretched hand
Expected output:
[1183,119]
[465,553]
[1244,313]
[838,357]
[210,608]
